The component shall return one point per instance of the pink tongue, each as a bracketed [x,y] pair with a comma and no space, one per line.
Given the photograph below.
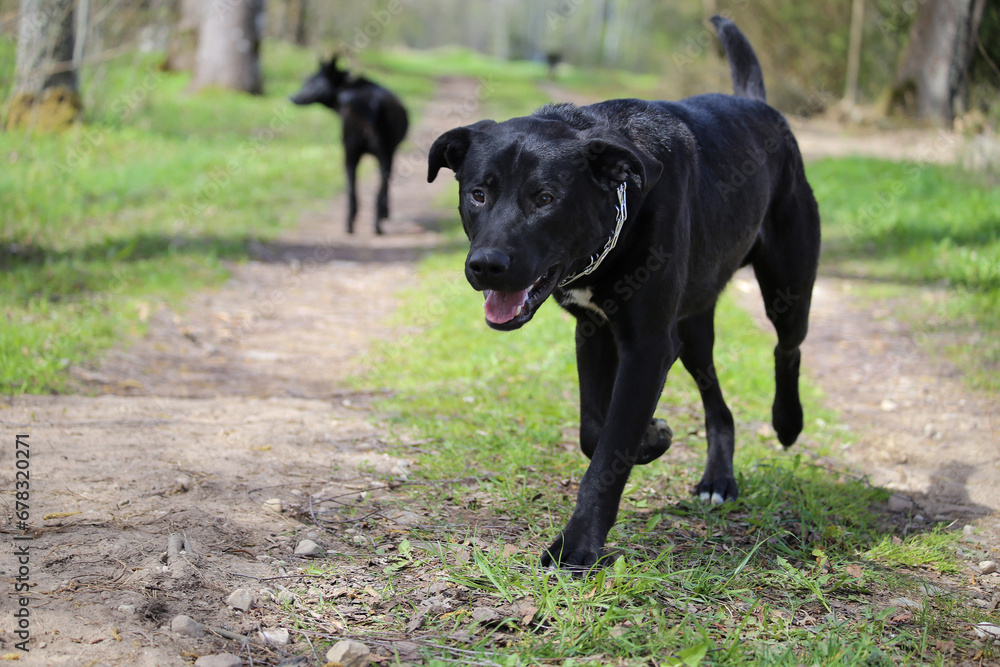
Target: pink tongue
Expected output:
[502,306]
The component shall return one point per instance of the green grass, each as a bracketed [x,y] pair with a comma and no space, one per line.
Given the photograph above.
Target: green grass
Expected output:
[143,204]
[801,570]
[929,238]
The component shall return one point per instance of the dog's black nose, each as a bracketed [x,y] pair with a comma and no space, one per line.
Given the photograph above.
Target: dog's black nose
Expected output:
[488,263]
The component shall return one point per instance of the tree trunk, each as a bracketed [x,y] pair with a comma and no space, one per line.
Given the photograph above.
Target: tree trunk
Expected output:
[229,46]
[46,96]
[295,21]
[184,37]
[854,53]
[931,81]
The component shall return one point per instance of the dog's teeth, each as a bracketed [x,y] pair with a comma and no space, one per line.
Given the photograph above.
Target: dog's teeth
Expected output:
[717,498]
[705,495]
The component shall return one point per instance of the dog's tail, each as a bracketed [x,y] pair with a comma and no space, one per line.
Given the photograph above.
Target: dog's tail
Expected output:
[748,80]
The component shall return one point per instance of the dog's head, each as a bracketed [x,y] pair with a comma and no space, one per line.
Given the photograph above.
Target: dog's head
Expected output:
[537,200]
[323,86]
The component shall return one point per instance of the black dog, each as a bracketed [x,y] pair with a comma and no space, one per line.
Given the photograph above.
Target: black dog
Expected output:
[635,215]
[375,122]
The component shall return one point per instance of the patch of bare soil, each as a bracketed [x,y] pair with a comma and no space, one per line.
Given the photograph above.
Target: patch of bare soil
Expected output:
[147,501]
[918,428]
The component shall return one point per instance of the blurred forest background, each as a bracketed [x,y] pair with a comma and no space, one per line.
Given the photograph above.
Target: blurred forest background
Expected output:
[931,59]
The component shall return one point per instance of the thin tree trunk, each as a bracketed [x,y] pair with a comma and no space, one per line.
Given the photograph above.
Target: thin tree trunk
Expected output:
[46,96]
[854,53]
[296,12]
[229,46]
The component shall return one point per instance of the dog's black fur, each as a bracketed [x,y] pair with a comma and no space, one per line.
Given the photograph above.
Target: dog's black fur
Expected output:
[714,182]
[374,122]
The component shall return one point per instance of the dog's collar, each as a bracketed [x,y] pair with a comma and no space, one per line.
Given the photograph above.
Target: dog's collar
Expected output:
[595,260]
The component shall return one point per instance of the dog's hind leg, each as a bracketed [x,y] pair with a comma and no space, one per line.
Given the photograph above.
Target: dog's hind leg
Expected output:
[382,202]
[785,266]
[698,337]
[352,156]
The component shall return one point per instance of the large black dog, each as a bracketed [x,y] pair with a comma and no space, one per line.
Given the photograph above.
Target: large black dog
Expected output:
[374,122]
[635,215]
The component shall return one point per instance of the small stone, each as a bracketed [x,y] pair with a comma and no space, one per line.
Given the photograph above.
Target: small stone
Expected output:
[241,598]
[183,482]
[127,609]
[931,590]
[888,405]
[988,566]
[406,518]
[308,548]
[968,530]
[988,630]
[899,503]
[105,595]
[185,625]
[348,653]
[272,505]
[904,602]
[285,596]
[919,518]
[219,660]
[279,636]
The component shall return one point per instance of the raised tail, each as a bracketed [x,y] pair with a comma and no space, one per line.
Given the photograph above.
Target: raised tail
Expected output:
[748,80]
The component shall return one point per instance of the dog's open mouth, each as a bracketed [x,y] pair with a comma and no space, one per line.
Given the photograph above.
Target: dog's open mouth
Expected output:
[509,310]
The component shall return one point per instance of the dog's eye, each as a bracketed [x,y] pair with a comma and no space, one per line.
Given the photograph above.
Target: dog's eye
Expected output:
[543,199]
[479,196]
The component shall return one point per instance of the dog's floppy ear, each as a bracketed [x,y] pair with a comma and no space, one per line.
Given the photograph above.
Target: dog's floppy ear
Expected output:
[450,148]
[620,159]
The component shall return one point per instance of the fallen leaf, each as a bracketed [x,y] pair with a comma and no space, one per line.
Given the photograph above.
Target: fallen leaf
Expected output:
[485,614]
[855,570]
[944,646]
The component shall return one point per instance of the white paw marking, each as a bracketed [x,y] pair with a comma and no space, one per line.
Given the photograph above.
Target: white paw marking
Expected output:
[704,496]
[717,498]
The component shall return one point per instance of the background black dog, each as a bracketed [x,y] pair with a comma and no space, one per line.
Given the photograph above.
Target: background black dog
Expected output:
[375,122]
[635,215]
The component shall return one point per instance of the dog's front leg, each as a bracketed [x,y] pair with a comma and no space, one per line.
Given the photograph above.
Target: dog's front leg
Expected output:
[641,373]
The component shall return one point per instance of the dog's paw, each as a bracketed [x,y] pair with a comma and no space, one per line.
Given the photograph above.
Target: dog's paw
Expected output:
[717,490]
[573,555]
[787,421]
[656,442]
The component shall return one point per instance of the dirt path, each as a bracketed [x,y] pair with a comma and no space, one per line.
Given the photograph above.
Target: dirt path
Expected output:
[237,400]
[919,429]
[241,399]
